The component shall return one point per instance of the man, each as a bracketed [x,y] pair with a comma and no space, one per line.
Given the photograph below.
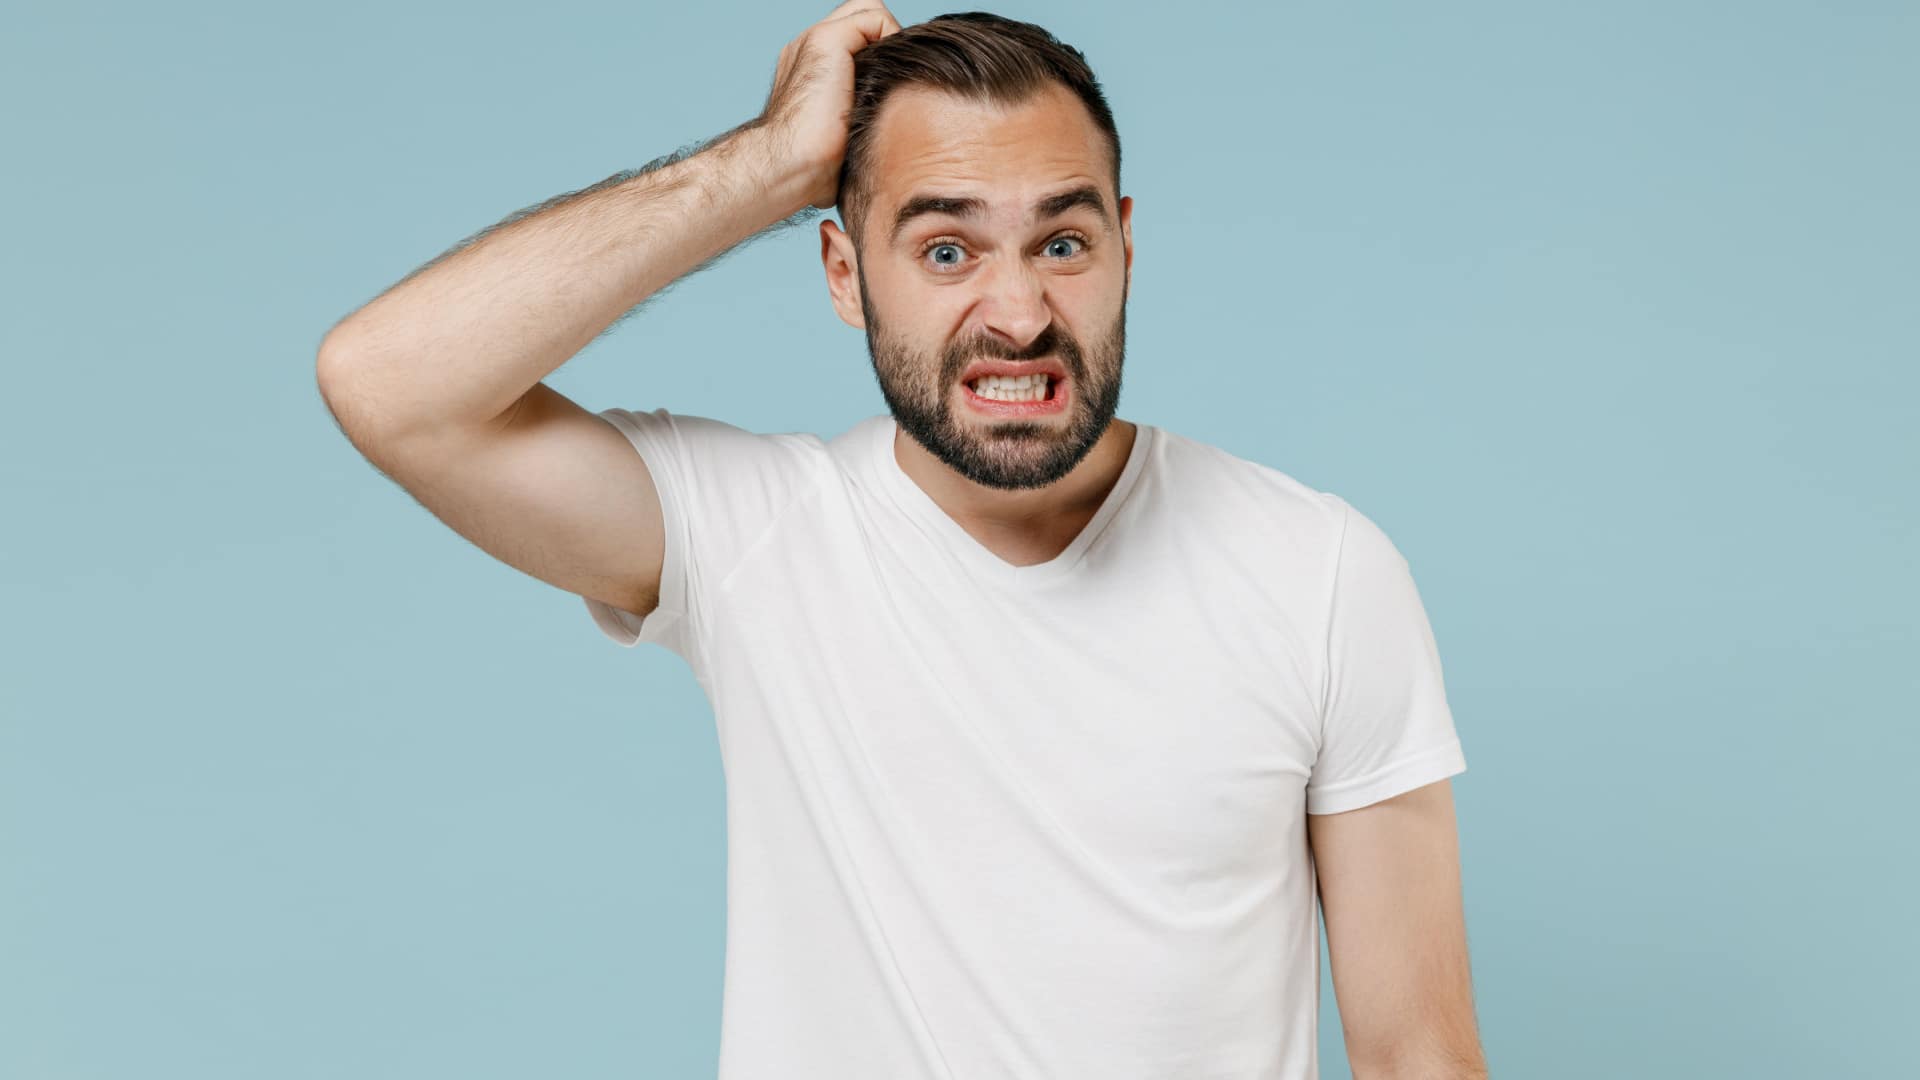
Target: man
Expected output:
[1042,729]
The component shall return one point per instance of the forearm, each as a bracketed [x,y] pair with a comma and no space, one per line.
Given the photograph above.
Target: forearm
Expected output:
[458,341]
[1437,1072]
[1466,1065]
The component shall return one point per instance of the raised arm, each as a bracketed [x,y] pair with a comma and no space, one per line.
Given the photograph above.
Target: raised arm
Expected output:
[437,380]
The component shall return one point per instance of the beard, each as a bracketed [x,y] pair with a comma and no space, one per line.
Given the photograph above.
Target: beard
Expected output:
[1009,455]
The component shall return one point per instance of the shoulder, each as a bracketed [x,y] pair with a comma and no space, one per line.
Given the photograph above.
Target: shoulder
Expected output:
[710,432]
[1249,497]
[701,448]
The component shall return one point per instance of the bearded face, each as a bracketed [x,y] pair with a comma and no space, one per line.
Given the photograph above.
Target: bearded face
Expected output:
[924,388]
[991,245]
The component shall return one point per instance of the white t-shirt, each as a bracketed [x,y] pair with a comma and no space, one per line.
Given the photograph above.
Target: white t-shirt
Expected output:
[1043,821]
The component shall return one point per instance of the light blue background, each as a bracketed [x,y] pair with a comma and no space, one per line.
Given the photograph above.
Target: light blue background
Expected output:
[1607,313]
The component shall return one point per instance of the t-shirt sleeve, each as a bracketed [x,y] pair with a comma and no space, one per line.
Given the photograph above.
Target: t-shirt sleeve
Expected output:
[1386,727]
[721,488]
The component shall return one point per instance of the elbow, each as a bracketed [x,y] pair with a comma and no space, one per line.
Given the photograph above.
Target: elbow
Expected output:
[331,365]
[339,374]
[331,374]
[334,363]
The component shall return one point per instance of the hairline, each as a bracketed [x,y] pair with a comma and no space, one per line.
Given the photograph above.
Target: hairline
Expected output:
[869,191]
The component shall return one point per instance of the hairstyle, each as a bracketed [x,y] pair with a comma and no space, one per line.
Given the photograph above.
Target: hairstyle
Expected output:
[975,55]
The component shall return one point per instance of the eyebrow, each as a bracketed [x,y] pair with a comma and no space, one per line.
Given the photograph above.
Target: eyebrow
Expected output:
[963,206]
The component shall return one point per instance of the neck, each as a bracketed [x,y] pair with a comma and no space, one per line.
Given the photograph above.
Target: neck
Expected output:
[1035,515]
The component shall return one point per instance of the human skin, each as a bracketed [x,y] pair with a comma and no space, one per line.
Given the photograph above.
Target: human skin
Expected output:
[439,381]
[1010,287]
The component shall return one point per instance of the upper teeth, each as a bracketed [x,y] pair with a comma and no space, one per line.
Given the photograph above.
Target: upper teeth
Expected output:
[1016,387]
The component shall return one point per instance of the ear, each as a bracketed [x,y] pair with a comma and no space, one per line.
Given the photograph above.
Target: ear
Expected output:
[839,259]
[1126,233]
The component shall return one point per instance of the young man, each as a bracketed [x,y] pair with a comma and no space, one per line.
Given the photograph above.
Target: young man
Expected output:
[1045,732]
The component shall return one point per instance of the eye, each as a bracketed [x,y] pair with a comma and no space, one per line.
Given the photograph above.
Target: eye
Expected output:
[1069,239]
[1061,246]
[944,245]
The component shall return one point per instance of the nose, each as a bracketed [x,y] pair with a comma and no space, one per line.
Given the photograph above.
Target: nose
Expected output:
[1015,304]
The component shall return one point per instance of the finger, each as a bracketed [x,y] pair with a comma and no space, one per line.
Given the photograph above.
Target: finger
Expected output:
[892,24]
[872,23]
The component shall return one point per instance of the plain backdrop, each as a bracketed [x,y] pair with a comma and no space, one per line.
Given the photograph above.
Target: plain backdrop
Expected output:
[1607,313]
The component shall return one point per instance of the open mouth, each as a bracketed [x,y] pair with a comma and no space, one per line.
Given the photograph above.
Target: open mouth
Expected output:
[1026,395]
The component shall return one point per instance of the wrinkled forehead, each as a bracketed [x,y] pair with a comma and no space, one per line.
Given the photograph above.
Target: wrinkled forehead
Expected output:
[931,141]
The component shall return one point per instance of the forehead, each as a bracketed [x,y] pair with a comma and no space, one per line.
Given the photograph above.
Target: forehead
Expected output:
[930,140]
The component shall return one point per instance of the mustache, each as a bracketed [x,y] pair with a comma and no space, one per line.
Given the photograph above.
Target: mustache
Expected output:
[1050,340]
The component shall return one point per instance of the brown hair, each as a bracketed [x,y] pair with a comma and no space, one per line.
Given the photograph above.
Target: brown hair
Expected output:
[974,54]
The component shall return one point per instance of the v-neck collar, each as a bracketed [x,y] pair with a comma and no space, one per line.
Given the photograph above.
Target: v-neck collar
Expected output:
[917,502]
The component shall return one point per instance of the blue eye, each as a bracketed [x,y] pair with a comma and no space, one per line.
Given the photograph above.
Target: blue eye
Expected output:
[960,250]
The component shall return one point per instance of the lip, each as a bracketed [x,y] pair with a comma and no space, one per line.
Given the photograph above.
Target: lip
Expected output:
[1014,369]
[1056,403]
